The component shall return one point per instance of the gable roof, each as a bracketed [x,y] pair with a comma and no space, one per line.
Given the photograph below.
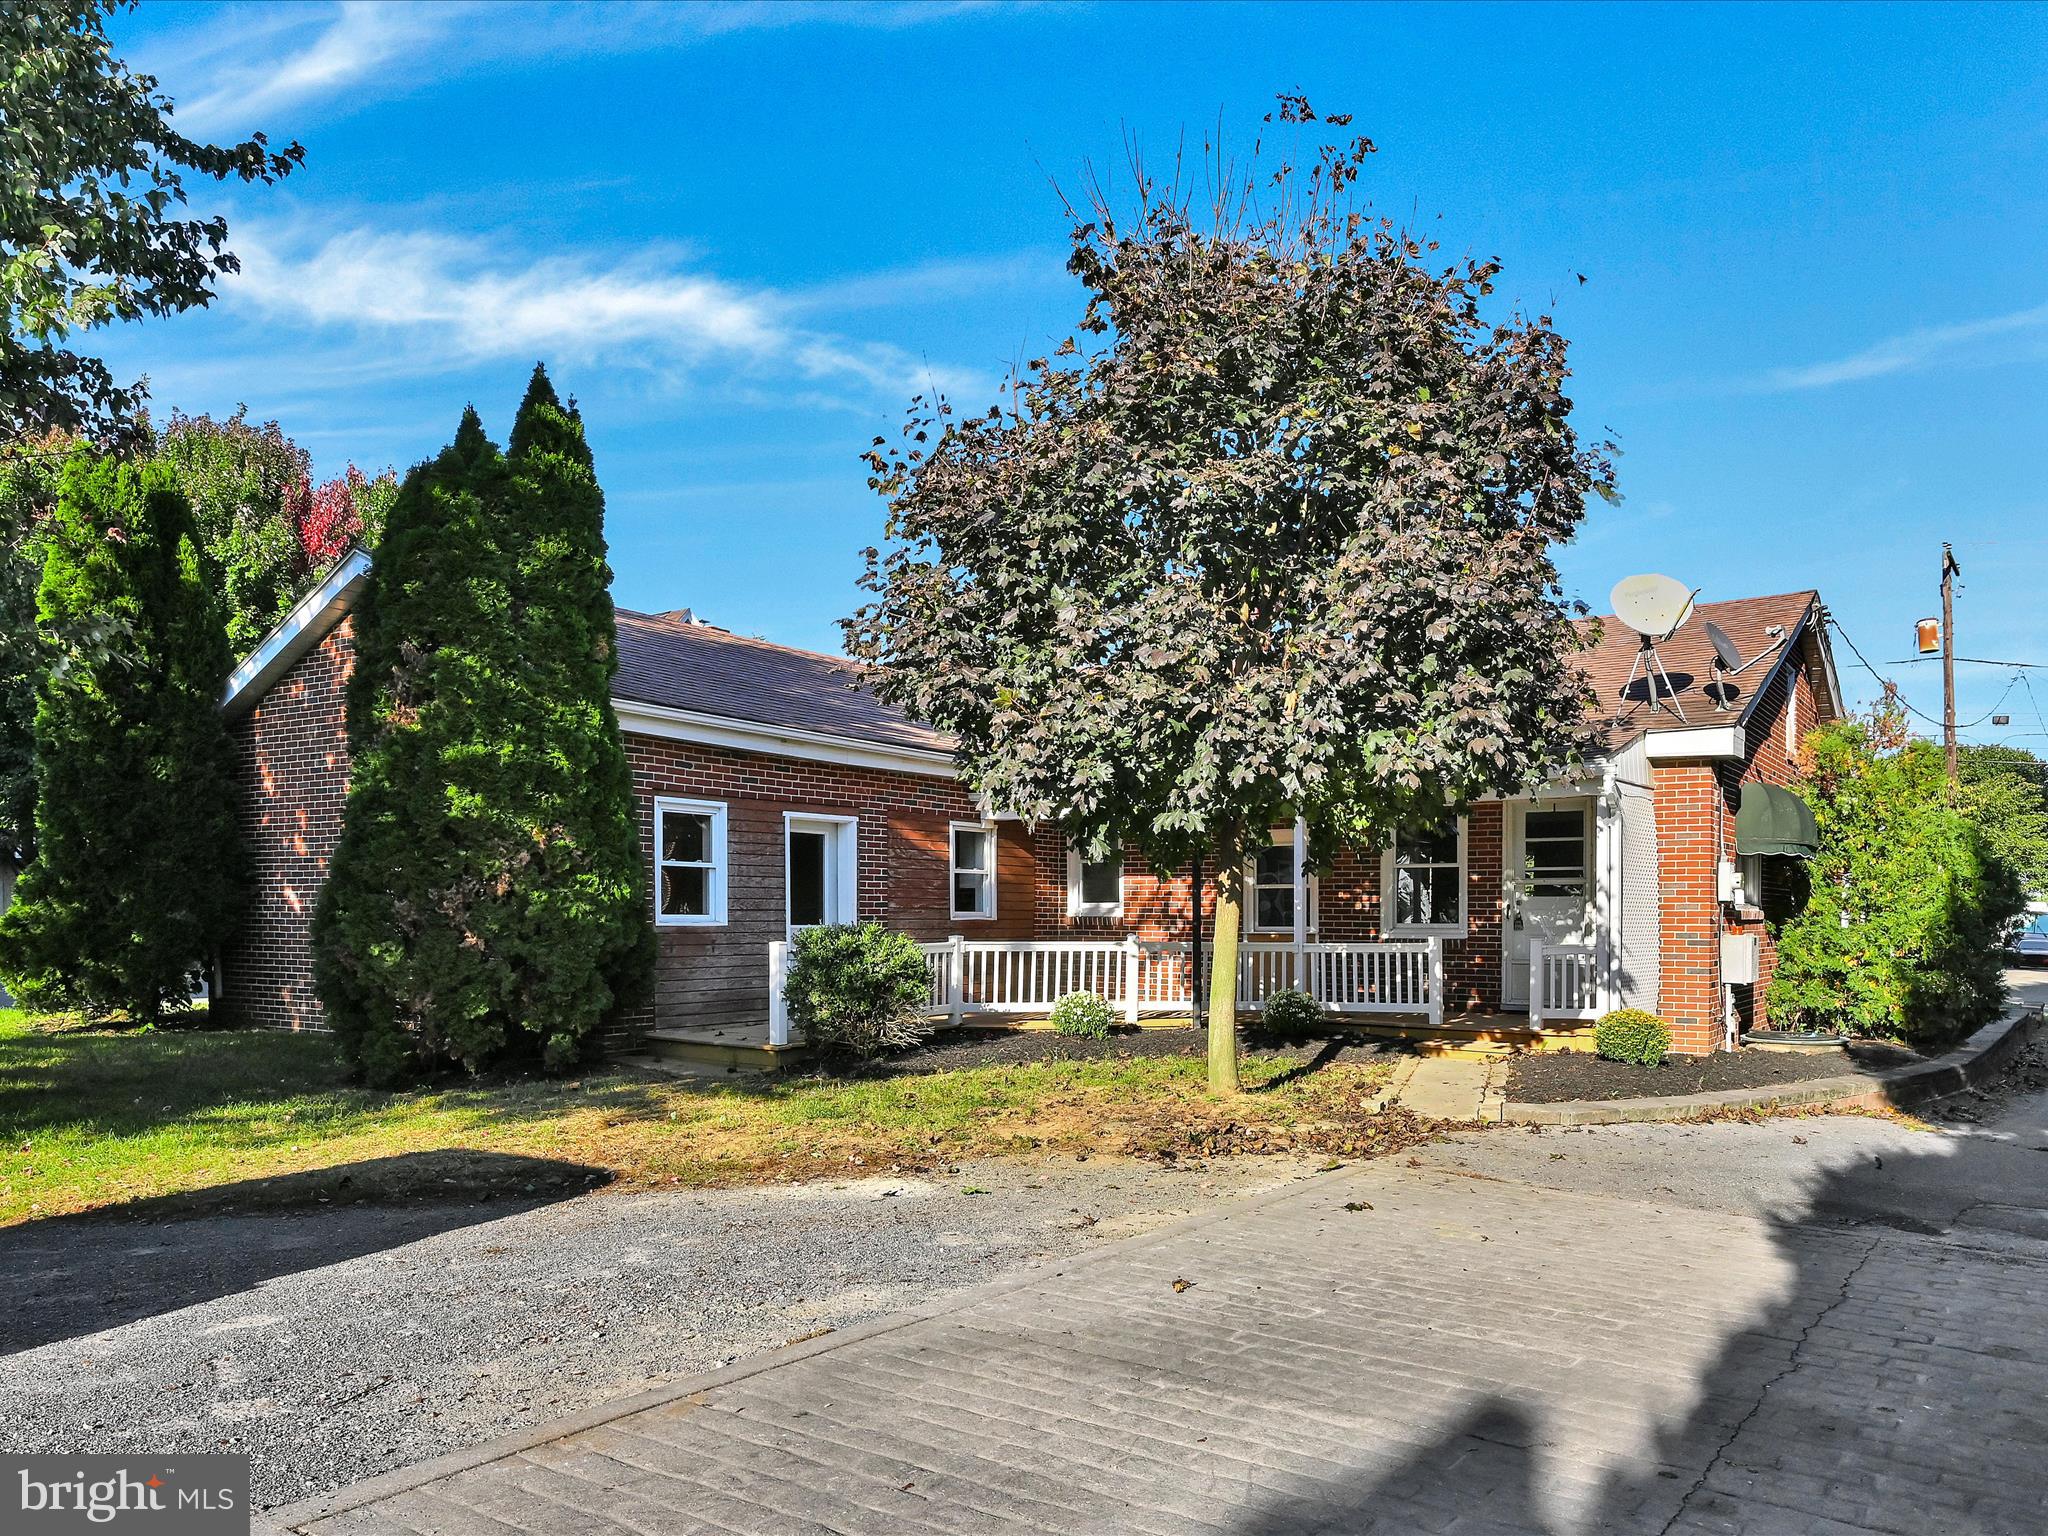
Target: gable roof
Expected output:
[311,620]
[672,662]
[1688,658]
[669,662]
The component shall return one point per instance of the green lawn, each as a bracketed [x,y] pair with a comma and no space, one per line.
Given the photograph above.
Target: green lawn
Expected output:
[98,1117]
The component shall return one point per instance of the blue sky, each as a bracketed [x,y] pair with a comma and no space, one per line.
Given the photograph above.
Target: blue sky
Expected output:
[1815,314]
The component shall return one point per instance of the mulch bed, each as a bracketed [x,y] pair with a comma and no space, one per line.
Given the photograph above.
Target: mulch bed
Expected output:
[954,1049]
[1560,1077]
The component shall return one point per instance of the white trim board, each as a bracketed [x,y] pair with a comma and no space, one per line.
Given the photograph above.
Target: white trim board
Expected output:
[1697,741]
[311,620]
[776,740]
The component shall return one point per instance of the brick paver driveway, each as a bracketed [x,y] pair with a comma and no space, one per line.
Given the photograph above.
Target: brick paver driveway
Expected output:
[1825,1326]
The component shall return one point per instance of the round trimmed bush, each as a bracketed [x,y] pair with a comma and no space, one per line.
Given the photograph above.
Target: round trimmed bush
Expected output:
[1083,1016]
[1292,1011]
[1632,1035]
[858,989]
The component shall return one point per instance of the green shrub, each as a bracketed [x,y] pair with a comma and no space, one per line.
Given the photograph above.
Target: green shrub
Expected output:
[1633,1036]
[1292,1011]
[487,901]
[1906,897]
[1083,1016]
[858,989]
[139,875]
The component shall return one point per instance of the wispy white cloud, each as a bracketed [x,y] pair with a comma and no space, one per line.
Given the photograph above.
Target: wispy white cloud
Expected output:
[946,278]
[431,300]
[333,50]
[256,67]
[1907,353]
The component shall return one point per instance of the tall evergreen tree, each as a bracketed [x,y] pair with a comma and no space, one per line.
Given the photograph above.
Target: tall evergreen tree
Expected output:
[484,904]
[587,946]
[138,875]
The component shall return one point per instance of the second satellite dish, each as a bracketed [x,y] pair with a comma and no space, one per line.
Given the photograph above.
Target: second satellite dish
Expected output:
[1652,606]
[1724,648]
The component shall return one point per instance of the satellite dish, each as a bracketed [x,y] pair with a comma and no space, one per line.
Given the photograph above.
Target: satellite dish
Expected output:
[1652,606]
[1728,662]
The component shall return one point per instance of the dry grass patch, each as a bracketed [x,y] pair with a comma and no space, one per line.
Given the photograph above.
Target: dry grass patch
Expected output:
[93,1118]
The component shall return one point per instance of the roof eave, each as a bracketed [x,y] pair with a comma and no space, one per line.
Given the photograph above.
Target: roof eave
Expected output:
[312,619]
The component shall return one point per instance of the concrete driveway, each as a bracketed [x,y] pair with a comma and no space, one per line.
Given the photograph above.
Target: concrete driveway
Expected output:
[1814,1326]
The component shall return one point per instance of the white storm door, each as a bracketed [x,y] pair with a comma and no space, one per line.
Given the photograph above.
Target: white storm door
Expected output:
[1549,884]
[819,869]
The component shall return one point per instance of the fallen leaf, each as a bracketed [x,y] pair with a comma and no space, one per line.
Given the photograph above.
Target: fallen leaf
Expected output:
[1357,1205]
[1183,1285]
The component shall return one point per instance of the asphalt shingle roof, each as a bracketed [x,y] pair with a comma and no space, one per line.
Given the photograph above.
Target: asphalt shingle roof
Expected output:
[1688,658]
[672,662]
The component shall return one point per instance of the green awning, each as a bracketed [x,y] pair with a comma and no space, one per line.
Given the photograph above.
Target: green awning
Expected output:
[1774,820]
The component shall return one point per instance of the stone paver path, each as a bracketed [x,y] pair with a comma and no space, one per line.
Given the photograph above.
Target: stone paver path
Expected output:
[1823,1327]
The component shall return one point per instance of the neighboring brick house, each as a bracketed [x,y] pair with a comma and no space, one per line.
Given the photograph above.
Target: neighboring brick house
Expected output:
[775,792]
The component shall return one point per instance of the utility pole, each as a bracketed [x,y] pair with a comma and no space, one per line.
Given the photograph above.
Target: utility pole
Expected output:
[1949,571]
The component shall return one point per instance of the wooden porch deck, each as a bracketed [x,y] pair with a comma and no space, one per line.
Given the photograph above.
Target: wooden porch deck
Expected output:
[746,1047]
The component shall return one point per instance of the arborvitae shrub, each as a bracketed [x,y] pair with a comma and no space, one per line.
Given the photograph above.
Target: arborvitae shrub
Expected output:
[139,875]
[486,903]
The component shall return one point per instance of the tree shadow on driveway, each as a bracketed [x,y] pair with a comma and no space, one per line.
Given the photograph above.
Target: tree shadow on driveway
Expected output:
[1891,1381]
[73,1275]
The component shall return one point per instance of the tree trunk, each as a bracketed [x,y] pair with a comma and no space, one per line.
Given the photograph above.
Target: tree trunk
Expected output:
[1223,979]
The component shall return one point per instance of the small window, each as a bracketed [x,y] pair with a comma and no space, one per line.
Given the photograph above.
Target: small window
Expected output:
[1095,887]
[689,863]
[1269,888]
[1554,853]
[1750,871]
[1429,877]
[974,870]
[1273,890]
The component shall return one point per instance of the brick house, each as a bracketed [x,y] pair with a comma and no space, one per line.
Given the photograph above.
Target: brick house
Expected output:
[774,792]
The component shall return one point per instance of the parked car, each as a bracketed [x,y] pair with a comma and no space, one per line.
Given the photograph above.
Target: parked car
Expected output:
[2028,944]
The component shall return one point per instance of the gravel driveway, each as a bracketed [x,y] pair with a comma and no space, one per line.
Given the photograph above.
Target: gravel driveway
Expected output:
[343,1342]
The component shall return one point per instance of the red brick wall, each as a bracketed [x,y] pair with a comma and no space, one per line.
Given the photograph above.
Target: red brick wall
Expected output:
[1689,825]
[1696,804]
[1348,906]
[719,975]
[1772,760]
[292,767]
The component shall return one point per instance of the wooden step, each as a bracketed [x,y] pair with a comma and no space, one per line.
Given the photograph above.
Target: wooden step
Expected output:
[736,1055]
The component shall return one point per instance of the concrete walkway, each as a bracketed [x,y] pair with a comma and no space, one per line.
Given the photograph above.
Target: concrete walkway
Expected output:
[1817,1326]
[1449,1088]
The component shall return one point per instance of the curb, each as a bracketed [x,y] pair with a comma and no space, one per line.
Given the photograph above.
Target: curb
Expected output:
[1963,1068]
[289,1519]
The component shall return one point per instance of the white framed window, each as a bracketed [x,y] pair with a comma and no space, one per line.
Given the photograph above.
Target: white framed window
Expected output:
[821,869]
[1423,882]
[1269,887]
[1749,871]
[689,863]
[973,871]
[1095,887]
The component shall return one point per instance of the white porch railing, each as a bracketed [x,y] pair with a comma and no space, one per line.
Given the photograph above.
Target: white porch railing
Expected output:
[1027,976]
[1564,982]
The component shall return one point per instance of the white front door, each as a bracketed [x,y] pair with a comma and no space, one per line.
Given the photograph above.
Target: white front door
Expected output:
[819,870]
[1549,877]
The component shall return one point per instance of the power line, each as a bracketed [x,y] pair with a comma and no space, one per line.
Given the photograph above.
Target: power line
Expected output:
[1890,687]
[1975,661]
